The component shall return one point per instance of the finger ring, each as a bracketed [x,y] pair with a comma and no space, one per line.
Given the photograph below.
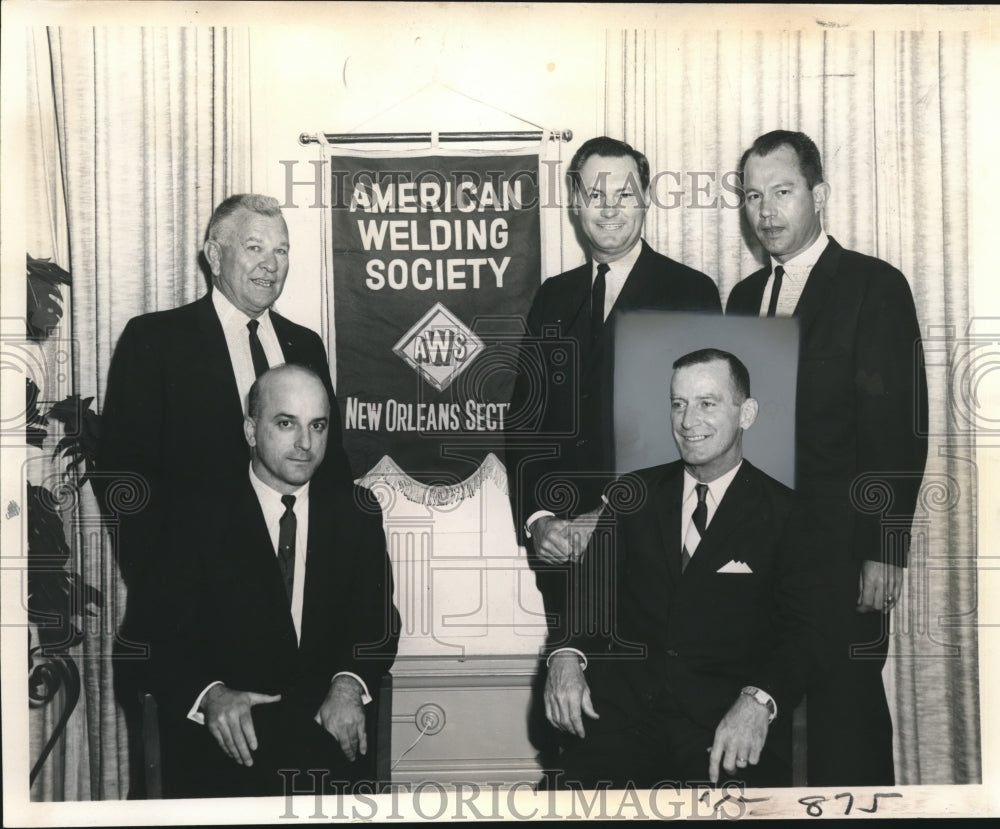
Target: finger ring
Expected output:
[740,759]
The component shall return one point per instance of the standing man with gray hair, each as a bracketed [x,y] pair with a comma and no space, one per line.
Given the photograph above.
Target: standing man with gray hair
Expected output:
[173,412]
[861,399]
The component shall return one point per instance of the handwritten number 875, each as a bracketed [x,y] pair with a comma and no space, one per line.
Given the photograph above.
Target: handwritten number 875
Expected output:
[813,808]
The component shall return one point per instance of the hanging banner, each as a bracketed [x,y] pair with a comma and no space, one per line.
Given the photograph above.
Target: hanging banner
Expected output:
[435,262]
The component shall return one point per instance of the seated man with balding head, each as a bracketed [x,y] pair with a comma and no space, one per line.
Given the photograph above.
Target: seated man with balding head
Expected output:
[274,610]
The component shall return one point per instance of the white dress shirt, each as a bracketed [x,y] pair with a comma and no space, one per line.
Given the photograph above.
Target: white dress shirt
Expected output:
[716,491]
[797,270]
[614,279]
[273,509]
[234,326]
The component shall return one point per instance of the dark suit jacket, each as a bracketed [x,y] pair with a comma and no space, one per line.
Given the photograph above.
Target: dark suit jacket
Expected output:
[220,609]
[561,439]
[172,415]
[861,394]
[706,634]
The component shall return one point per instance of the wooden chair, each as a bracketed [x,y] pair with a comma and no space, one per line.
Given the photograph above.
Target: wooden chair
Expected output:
[799,746]
[151,748]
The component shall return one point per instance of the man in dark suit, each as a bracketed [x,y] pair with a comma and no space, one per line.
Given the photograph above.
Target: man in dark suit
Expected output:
[173,413]
[178,382]
[697,656]
[560,444]
[274,613]
[861,397]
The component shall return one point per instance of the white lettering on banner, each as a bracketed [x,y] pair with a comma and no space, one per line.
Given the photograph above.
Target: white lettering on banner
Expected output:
[430,196]
[441,346]
[442,234]
[424,417]
[439,274]
[359,411]
[484,417]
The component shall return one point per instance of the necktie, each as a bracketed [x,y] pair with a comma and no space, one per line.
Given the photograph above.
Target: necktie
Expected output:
[772,306]
[260,364]
[286,544]
[696,529]
[597,300]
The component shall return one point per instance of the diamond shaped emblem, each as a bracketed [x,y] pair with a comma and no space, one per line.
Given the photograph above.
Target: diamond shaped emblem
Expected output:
[439,347]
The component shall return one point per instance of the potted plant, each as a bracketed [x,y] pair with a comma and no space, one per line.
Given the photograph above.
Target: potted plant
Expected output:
[56,594]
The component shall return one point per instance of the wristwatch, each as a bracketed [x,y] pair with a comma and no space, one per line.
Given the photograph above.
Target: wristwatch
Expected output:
[764,699]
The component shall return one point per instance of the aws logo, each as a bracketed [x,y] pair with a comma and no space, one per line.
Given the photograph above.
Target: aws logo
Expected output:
[439,347]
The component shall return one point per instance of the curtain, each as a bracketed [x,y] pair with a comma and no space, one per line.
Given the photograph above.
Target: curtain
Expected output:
[890,115]
[134,135]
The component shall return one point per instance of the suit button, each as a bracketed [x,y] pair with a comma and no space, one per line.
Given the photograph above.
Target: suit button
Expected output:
[582,442]
[672,653]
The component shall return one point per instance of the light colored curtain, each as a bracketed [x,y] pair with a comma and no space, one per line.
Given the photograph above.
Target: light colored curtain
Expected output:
[134,135]
[890,115]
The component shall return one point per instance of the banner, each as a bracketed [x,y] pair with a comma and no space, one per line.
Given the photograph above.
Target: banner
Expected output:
[435,262]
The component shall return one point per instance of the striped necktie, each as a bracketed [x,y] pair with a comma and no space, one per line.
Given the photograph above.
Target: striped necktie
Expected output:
[696,529]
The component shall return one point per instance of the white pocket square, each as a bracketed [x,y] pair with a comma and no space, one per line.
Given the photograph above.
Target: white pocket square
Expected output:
[735,567]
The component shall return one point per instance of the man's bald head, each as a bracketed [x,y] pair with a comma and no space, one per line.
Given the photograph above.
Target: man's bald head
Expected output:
[288,416]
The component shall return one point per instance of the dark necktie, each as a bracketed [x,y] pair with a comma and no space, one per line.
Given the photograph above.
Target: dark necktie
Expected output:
[597,300]
[699,518]
[260,364]
[772,306]
[286,544]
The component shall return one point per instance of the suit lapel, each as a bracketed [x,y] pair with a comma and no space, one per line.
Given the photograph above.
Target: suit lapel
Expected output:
[575,316]
[214,358]
[283,332]
[757,282]
[322,563]
[249,523]
[667,503]
[634,292]
[733,514]
[818,285]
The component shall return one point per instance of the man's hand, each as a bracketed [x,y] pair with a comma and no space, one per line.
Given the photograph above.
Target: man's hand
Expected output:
[739,737]
[343,715]
[228,718]
[879,587]
[567,694]
[563,539]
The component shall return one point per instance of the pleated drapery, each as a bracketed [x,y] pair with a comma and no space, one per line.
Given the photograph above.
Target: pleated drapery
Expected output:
[134,135]
[889,112]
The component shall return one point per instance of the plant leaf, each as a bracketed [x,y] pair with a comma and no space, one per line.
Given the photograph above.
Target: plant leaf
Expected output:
[35,422]
[43,299]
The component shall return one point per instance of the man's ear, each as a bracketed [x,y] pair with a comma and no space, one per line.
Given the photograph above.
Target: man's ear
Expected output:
[250,430]
[748,413]
[821,193]
[213,254]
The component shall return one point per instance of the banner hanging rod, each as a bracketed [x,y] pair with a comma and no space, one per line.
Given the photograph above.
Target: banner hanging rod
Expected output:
[421,137]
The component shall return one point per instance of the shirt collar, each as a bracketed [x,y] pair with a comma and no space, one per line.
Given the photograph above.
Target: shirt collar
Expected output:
[622,266]
[716,488]
[803,262]
[232,317]
[268,495]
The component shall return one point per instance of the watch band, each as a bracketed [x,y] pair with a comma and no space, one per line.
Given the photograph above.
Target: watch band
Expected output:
[764,699]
